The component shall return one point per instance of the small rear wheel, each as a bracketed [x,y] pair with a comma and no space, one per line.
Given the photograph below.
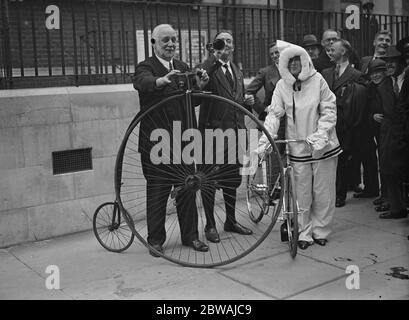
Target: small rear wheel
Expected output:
[110,229]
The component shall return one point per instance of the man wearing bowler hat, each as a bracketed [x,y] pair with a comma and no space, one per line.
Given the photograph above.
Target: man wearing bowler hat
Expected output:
[312,46]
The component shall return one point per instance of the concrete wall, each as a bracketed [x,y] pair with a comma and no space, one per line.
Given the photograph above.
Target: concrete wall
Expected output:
[34,203]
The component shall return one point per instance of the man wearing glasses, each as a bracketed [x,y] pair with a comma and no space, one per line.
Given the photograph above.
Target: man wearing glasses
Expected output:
[324,59]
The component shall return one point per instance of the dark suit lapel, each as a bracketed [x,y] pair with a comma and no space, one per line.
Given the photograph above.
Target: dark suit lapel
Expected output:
[236,76]
[273,75]
[345,77]
[330,77]
[158,66]
[365,65]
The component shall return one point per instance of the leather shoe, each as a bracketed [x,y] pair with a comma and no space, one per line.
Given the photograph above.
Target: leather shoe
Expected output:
[197,245]
[321,242]
[339,203]
[383,207]
[303,244]
[378,201]
[364,194]
[394,215]
[212,235]
[237,228]
[157,247]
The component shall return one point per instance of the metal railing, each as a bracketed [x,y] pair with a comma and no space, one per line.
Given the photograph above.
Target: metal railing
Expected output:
[101,41]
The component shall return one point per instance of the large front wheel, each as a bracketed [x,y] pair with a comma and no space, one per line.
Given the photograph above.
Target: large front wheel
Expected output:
[172,181]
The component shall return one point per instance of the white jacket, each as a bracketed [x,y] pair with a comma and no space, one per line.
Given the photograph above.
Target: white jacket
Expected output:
[311,112]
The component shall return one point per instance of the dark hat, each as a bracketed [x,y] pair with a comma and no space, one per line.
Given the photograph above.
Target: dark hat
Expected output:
[403,45]
[368,5]
[310,40]
[377,64]
[391,53]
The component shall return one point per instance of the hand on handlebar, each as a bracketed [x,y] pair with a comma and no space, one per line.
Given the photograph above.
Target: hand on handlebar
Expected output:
[162,81]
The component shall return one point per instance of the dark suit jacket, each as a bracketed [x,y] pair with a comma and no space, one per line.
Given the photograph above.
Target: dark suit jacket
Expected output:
[324,62]
[365,63]
[394,145]
[266,77]
[351,103]
[144,80]
[219,114]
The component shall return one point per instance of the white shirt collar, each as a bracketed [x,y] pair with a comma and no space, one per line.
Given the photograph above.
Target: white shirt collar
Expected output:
[228,66]
[164,62]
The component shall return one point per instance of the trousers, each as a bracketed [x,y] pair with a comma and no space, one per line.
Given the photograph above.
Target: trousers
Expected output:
[315,189]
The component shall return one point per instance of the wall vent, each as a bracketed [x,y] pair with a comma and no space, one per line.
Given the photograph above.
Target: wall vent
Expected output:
[72,160]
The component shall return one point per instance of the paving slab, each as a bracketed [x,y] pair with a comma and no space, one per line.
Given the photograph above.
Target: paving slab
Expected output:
[359,245]
[19,281]
[385,281]
[281,276]
[361,211]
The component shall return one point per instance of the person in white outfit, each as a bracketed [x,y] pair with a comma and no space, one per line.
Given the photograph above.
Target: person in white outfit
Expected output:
[304,97]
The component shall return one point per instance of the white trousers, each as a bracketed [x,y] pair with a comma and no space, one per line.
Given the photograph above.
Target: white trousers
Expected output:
[315,189]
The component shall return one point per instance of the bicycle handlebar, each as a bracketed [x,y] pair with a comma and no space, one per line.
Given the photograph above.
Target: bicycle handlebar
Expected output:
[290,140]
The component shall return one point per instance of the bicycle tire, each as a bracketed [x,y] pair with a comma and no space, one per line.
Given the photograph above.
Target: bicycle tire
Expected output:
[130,188]
[292,212]
[105,219]
[261,188]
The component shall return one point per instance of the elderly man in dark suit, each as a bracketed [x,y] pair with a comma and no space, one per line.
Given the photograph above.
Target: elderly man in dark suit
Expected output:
[154,80]
[266,77]
[347,83]
[226,80]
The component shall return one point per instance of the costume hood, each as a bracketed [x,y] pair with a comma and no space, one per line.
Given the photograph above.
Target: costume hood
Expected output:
[307,66]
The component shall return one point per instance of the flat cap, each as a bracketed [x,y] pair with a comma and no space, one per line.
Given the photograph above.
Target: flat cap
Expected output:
[376,65]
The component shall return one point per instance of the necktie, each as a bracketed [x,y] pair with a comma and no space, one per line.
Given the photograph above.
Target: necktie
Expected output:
[396,86]
[337,69]
[170,66]
[229,76]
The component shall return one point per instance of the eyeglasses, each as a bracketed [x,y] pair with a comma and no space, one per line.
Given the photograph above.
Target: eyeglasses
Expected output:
[330,39]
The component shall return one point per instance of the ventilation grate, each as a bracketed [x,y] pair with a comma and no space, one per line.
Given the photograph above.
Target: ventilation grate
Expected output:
[72,161]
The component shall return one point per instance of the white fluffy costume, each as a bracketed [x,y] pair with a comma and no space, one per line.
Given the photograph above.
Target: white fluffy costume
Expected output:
[310,107]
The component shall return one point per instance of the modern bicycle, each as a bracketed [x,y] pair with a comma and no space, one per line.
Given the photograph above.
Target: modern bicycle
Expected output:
[264,188]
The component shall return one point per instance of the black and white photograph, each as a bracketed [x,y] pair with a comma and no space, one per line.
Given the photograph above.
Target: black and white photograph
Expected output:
[200,157]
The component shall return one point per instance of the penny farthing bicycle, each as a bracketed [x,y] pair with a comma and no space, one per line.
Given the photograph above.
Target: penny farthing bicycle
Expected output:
[181,159]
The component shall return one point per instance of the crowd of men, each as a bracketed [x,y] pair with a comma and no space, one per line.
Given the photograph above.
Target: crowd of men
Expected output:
[372,114]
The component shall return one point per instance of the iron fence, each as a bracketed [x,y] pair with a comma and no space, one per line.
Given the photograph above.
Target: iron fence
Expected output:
[101,41]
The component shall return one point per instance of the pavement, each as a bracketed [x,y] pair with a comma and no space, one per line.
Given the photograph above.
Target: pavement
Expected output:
[376,250]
